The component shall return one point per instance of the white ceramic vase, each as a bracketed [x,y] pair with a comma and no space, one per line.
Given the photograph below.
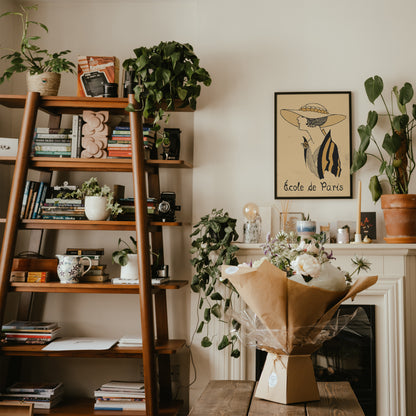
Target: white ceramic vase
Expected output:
[45,84]
[96,208]
[130,271]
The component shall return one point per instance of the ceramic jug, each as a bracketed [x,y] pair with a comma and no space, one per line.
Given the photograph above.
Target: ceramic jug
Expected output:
[70,267]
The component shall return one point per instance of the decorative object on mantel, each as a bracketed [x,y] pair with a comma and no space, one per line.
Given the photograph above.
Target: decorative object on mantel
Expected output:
[396,160]
[291,327]
[167,72]
[127,258]
[44,68]
[95,134]
[252,223]
[305,227]
[212,247]
[357,237]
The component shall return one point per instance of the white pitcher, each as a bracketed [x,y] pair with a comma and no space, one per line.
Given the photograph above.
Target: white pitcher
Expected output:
[70,267]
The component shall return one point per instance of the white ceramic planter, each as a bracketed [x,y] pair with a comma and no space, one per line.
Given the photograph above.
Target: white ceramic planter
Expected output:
[306,228]
[130,271]
[96,208]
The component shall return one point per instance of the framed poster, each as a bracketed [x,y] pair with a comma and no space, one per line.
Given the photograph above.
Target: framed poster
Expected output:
[312,145]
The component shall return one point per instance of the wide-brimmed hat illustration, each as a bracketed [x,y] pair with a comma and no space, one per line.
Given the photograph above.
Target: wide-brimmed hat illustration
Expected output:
[312,111]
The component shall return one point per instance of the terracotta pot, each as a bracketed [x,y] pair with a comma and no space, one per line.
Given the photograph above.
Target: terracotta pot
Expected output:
[399,217]
[45,84]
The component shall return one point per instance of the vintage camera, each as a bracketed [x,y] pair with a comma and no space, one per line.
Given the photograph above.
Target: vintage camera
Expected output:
[166,208]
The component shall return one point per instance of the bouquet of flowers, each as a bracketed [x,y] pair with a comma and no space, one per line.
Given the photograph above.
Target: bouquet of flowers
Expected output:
[294,291]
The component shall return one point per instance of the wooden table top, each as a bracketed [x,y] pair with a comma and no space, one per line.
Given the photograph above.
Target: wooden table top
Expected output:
[236,398]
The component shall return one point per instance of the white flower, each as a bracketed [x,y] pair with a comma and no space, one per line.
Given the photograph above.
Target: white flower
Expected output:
[257,263]
[306,265]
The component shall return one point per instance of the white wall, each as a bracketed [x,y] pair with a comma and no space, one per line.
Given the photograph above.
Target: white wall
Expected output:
[251,49]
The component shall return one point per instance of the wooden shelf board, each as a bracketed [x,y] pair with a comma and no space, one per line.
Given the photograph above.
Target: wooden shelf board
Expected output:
[169,347]
[85,407]
[94,165]
[57,287]
[87,225]
[75,105]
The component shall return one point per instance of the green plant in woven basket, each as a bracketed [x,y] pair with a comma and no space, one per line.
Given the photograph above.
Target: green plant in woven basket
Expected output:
[211,248]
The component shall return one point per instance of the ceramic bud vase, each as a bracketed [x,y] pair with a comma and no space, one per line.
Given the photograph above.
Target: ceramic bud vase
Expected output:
[96,208]
[130,271]
[70,267]
[45,84]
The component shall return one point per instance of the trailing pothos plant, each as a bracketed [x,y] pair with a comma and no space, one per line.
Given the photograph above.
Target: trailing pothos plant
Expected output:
[168,73]
[211,248]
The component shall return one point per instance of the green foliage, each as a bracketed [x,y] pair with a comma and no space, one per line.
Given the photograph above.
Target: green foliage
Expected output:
[91,187]
[211,248]
[30,57]
[395,154]
[120,256]
[169,73]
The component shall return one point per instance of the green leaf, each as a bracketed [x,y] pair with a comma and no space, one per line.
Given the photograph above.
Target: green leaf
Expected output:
[207,314]
[224,343]
[365,135]
[391,143]
[359,159]
[382,167]
[235,353]
[375,188]
[373,88]
[206,342]
[200,327]
[216,296]
[130,107]
[406,94]
[216,310]
[372,119]
[182,92]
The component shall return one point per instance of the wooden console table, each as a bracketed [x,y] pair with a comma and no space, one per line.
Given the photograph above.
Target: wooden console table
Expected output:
[236,398]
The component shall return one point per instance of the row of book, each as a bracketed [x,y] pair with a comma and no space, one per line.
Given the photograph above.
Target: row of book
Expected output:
[30,332]
[42,395]
[97,273]
[120,395]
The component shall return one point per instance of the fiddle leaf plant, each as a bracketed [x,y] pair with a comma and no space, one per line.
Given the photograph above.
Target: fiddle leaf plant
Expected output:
[395,152]
[168,73]
[211,248]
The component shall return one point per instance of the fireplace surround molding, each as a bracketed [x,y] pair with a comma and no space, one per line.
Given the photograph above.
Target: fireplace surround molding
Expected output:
[394,297]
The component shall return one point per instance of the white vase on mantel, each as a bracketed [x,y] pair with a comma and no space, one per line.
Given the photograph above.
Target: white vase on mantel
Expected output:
[96,208]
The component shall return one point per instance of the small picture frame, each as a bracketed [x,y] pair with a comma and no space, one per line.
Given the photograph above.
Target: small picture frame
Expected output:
[368,227]
[288,221]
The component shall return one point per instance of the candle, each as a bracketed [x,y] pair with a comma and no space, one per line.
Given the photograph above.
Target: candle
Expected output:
[358,228]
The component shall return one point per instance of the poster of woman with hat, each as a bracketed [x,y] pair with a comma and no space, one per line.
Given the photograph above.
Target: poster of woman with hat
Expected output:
[312,145]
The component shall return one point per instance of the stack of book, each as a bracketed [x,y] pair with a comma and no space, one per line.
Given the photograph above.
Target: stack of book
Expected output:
[120,395]
[130,341]
[42,395]
[34,195]
[127,205]
[30,332]
[52,142]
[97,273]
[119,144]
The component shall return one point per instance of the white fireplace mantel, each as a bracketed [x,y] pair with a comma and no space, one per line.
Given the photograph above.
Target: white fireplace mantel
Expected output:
[394,295]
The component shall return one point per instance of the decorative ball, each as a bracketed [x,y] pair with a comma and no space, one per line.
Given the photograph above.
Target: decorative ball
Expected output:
[250,211]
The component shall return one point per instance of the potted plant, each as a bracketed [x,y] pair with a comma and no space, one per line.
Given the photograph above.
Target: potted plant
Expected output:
[127,258]
[395,157]
[168,73]
[43,68]
[306,227]
[211,248]
[98,200]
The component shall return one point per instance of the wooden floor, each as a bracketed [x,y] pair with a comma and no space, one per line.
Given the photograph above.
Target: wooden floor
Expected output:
[236,398]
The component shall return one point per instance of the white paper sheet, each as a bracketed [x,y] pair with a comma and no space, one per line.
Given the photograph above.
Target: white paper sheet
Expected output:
[82,343]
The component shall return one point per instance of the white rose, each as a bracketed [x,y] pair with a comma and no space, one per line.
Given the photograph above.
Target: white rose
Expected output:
[306,265]
[257,263]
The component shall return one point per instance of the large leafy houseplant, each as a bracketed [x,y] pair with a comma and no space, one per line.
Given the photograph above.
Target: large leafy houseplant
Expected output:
[29,56]
[395,152]
[211,248]
[170,73]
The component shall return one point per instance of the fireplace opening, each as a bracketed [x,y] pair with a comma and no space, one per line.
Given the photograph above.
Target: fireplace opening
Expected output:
[349,356]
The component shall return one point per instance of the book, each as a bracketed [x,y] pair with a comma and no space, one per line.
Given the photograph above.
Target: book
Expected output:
[25,197]
[119,405]
[18,276]
[76,136]
[39,198]
[38,277]
[95,278]
[29,326]
[26,387]
[33,197]
[135,386]
[52,130]
[52,136]
[85,251]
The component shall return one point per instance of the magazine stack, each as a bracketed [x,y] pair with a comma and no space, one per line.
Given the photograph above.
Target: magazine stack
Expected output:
[42,395]
[120,395]
[30,332]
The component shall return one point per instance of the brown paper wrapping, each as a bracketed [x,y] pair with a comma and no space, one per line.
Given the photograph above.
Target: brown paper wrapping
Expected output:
[295,314]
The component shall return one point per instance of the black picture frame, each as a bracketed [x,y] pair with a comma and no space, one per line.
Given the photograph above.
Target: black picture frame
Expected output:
[313,145]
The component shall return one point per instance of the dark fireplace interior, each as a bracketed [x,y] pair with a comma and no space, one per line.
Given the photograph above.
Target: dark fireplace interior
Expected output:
[349,356]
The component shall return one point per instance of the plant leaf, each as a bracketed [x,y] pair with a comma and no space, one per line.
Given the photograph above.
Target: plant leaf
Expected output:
[373,88]
[375,188]
[205,342]
[224,343]
[372,119]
